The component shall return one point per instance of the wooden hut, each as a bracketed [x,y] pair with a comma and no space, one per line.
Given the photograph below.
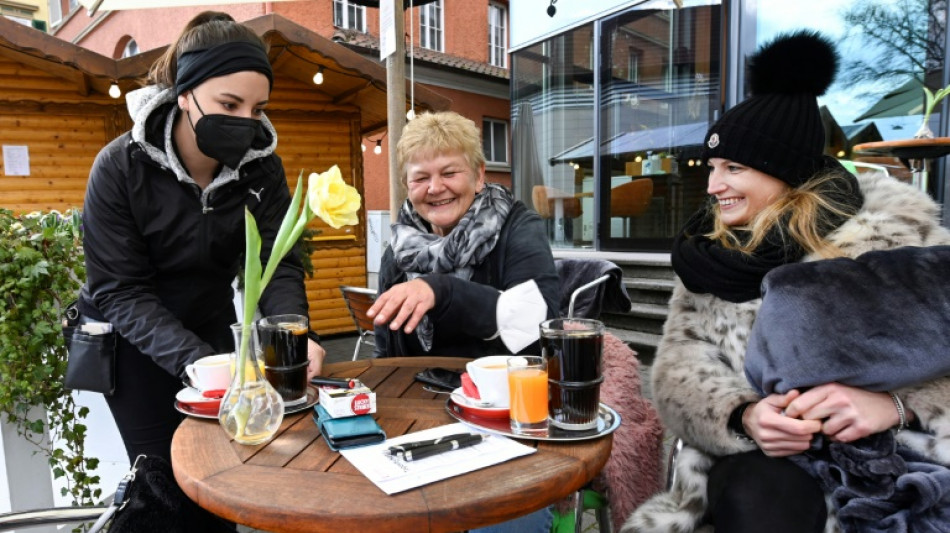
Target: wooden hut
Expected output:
[56,114]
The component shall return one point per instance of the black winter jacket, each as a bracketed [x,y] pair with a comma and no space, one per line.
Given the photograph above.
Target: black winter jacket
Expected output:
[464,313]
[161,256]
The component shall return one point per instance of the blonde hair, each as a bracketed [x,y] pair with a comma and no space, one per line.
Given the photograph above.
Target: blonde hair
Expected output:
[430,134]
[206,29]
[799,215]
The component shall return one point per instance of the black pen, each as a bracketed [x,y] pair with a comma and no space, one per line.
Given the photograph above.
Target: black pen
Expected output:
[397,449]
[333,382]
[442,447]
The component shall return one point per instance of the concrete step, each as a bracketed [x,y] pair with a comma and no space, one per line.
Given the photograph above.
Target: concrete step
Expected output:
[655,291]
[644,344]
[628,322]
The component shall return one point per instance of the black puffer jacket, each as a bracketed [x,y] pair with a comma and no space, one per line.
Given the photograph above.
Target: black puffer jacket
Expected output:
[161,254]
[464,314]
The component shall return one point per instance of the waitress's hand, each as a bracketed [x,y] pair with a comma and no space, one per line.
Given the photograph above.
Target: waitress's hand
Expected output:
[403,304]
[846,413]
[316,354]
[777,434]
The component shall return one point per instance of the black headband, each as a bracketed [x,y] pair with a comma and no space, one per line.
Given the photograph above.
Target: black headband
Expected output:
[196,66]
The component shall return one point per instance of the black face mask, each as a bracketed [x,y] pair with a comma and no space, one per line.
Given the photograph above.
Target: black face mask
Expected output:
[225,138]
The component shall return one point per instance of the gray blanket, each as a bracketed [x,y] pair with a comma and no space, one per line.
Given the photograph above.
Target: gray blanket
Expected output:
[878,322]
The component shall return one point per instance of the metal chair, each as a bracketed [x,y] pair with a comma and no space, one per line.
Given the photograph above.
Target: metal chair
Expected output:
[358,301]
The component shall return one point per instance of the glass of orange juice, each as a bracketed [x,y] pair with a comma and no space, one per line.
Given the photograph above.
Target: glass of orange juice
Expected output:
[528,388]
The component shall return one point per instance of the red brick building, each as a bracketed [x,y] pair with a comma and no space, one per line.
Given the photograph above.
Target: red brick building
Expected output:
[459,49]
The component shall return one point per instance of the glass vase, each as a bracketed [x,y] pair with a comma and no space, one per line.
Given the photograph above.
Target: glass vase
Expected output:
[251,410]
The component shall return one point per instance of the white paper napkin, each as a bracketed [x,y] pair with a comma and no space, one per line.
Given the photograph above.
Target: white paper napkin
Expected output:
[519,312]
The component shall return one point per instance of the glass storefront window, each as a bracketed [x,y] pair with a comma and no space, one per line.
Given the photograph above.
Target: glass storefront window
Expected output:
[659,93]
[607,151]
[553,111]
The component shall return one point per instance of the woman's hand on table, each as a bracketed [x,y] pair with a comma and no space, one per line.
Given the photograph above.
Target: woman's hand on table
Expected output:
[316,354]
[403,304]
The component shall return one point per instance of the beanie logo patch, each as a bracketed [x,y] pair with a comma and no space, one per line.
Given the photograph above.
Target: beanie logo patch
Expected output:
[713,140]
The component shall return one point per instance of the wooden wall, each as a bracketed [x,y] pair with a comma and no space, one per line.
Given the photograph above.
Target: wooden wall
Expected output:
[64,131]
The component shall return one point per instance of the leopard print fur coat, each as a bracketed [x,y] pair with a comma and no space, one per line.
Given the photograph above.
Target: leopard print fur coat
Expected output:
[698,377]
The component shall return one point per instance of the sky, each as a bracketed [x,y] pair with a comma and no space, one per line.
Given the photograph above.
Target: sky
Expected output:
[776,16]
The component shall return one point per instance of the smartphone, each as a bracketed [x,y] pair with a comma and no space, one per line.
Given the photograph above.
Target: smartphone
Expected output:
[441,377]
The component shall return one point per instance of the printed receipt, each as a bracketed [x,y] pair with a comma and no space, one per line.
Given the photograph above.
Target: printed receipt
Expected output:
[392,474]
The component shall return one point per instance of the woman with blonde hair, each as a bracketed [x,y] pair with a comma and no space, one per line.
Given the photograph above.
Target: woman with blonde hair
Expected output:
[469,271]
[776,202]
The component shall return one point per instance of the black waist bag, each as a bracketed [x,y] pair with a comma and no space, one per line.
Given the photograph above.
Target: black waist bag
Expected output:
[91,363]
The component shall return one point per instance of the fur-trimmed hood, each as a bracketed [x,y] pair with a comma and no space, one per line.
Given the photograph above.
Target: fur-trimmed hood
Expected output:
[698,377]
[153,110]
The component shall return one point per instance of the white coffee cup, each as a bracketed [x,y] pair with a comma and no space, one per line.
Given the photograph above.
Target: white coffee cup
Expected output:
[490,375]
[211,372]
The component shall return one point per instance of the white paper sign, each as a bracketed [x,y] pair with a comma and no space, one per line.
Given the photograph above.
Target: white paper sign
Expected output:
[16,160]
[394,475]
[387,28]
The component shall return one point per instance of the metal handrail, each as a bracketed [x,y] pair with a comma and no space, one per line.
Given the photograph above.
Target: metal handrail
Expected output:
[50,516]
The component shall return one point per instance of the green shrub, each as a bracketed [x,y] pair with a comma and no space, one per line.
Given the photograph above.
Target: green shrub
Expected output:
[41,270]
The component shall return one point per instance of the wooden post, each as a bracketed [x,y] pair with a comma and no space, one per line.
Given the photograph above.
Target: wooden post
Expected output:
[396,106]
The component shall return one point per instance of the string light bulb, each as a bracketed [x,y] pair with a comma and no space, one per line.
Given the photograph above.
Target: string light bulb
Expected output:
[363,146]
[379,147]
[411,114]
[318,77]
[114,90]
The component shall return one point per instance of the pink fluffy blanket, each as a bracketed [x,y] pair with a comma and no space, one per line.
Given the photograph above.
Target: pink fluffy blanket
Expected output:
[633,471]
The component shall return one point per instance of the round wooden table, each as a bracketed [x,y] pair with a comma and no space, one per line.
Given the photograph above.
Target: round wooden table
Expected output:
[914,153]
[295,483]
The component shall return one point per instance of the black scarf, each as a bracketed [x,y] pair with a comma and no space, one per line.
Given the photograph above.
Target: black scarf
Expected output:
[705,266]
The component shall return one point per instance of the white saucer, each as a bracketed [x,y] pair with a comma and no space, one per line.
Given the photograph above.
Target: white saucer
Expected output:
[192,396]
[459,397]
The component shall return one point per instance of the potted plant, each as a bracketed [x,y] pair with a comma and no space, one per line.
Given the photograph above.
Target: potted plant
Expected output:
[41,270]
[931,101]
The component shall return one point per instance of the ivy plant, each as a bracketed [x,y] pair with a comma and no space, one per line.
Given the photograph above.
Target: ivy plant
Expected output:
[41,270]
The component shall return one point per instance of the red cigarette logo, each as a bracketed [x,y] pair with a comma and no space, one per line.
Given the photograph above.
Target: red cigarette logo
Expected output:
[360,404]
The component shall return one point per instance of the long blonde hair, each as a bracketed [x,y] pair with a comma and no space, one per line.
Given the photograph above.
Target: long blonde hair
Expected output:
[803,215]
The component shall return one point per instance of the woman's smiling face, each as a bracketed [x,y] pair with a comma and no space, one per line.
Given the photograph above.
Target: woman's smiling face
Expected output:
[442,187]
[742,192]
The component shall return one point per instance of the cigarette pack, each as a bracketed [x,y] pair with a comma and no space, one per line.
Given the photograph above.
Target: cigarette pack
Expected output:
[341,402]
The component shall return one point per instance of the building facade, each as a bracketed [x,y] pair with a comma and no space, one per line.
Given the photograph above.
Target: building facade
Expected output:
[611,101]
[458,49]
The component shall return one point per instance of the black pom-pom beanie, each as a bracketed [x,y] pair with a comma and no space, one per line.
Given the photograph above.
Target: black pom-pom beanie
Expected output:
[778,129]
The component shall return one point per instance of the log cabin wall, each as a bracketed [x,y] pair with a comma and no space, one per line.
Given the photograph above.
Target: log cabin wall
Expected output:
[313,135]
[64,130]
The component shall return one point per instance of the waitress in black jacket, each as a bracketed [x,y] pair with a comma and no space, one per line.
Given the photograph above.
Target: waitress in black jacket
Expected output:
[469,271]
[164,221]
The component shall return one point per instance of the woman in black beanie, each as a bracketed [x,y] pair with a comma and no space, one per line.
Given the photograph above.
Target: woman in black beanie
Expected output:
[164,221]
[775,199]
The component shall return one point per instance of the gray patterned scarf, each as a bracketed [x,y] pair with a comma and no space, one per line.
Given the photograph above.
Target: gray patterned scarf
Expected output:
[418,251]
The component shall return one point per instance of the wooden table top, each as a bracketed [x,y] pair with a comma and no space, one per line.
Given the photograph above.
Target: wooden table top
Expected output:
[907,148]
[295,483]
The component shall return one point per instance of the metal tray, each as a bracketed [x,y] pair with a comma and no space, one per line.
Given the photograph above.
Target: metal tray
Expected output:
[607,421]
[312,398]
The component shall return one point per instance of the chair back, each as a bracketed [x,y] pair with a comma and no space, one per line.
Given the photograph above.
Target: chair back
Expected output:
[631,199]
[358,301]
[589,286]
[543,198]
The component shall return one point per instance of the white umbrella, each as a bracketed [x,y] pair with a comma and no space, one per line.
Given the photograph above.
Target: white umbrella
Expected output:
[526,166]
